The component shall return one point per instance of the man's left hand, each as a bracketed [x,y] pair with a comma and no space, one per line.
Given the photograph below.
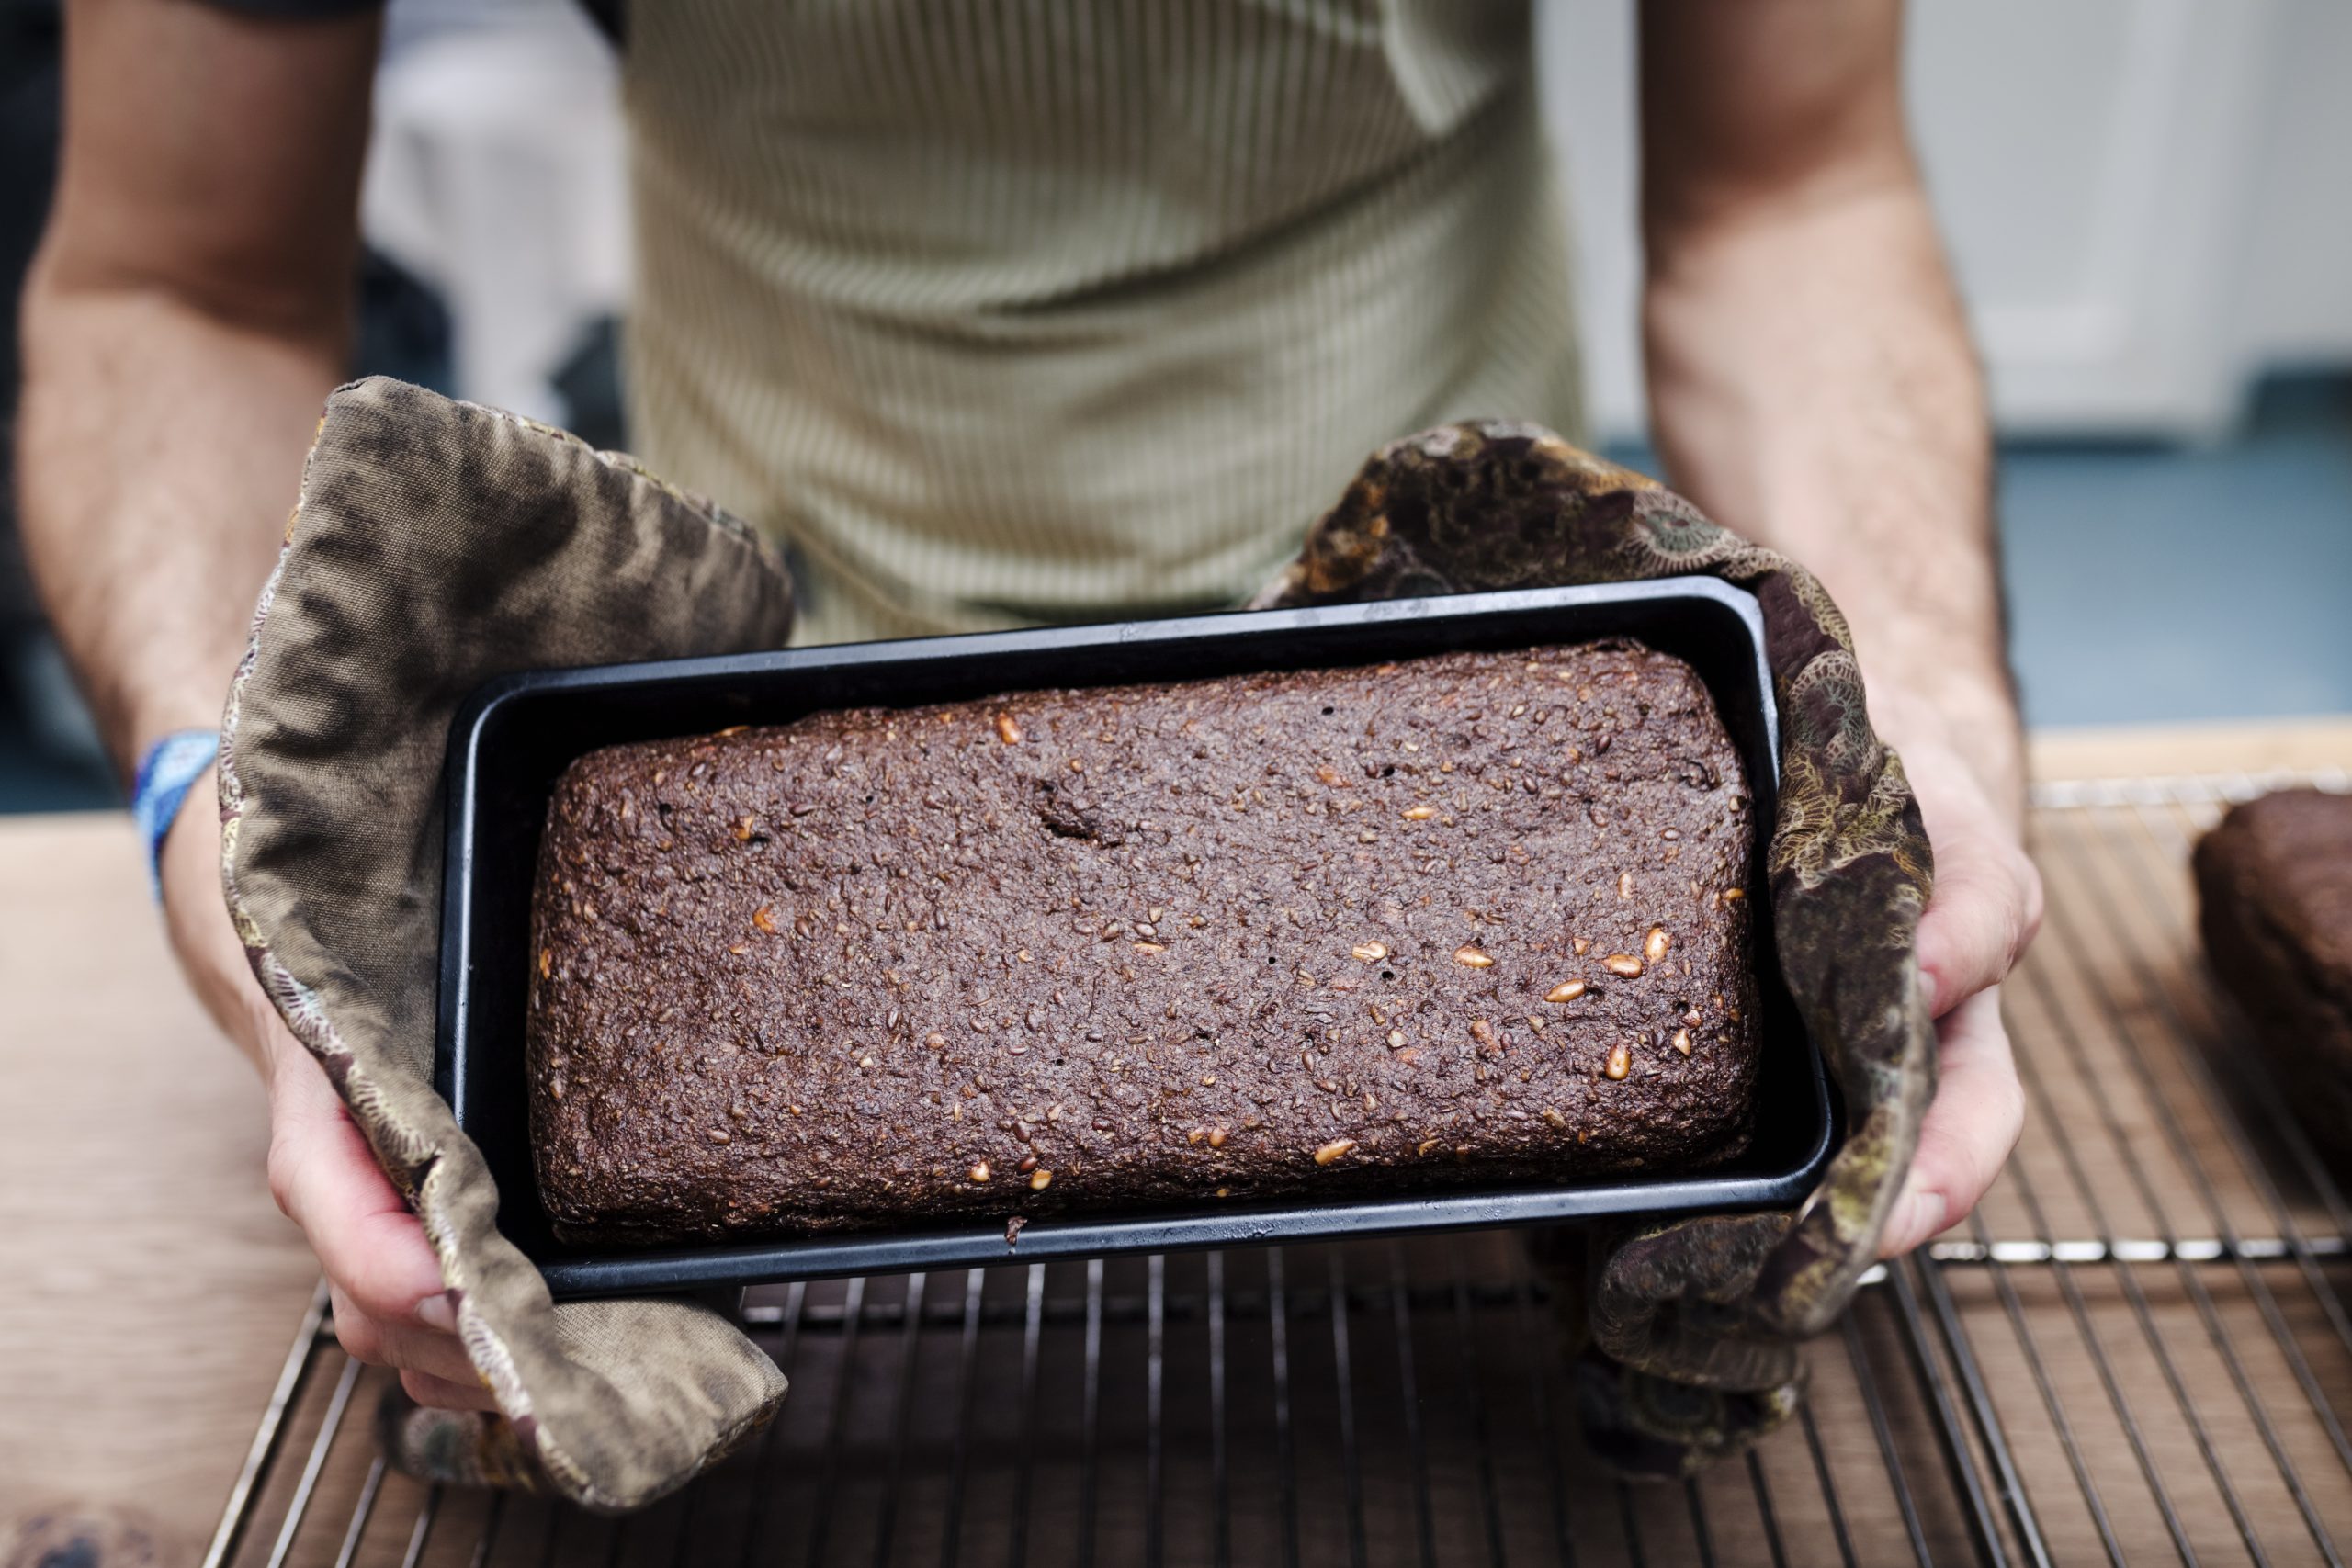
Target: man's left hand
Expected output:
[1986,909]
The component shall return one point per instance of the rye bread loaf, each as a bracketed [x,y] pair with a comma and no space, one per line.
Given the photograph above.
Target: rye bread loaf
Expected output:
[1477,917]
[2274,885]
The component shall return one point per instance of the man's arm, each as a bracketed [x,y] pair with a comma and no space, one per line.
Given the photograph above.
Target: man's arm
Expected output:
[187,314]
[1812,385]
[186,318]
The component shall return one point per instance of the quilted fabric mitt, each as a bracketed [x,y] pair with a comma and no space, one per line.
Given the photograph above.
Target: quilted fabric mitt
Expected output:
[1693,1326]
[437,545]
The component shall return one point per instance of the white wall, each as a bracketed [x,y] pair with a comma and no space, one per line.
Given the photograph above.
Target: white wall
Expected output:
[2297,294]
[2146,200]
[497,175]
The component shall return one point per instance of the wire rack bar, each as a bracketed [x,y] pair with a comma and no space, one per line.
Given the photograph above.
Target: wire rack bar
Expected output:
[1986,1416]
[1156,1473]
[1416,1443]
[1343,1381]
[1630,1519]
[1535,1328]
[1701,1539]
[1983,1532]
[1092,1419]
[788,1320]
[887,1516]
[1221,1486]
[2021,1326]
[1285,1453]
[360,1514]
[236,1514]
[1811,1431]
[1882,1429]
[422,1531]
[1032,1333]
[1466,1344]
[315,1464]
[820,1511]
[968,1350]
[487,1541]
[1764,1512]
[2127,1419]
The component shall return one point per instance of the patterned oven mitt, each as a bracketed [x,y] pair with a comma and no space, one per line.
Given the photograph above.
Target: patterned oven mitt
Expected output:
[1691,1327]
[437,544]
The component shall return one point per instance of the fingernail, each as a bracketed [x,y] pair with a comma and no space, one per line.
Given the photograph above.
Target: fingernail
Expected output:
[1927,992]
[435,1312]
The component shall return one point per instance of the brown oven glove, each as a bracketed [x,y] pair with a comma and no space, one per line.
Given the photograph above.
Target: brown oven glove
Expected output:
[437,544]
[1692,1328]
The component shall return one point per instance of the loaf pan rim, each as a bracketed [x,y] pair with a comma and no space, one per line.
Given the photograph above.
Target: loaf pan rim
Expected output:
[491,728]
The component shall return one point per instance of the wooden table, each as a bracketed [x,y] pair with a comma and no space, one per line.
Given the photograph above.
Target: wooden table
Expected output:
[149,1288]
[147,1285]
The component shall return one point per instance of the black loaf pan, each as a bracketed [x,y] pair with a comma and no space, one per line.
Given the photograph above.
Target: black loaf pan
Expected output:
[518,733]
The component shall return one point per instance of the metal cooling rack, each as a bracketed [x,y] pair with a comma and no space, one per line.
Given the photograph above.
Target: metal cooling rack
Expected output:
[2137,1351]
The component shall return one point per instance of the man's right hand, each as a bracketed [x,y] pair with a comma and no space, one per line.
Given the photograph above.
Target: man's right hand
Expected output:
[389,1308]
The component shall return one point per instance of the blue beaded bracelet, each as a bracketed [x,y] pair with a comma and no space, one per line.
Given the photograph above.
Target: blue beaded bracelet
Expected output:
[171,766]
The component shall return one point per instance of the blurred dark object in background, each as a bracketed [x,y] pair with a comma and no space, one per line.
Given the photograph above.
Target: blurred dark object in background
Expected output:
[402,327]
[49,754]
[589,380]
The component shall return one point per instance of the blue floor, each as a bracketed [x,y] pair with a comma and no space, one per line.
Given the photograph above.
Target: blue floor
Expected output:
[2153,584]
[2158,584]
[2147,585]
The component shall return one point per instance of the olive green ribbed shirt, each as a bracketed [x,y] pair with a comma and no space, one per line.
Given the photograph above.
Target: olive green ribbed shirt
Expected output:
[1002,312]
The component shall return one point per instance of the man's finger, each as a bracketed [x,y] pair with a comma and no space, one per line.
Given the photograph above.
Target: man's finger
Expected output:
[440,1393]
[368,1339]
[1978,1113]
[421,1350]
[1986,908]
[321,1168]
[361,1336]
[380,1344]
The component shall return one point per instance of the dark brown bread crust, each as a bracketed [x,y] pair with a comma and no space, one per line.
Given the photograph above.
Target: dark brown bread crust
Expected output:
[1261,936]
[2274,883]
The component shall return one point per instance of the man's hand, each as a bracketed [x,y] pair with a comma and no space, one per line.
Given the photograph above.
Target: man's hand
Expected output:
[1813,387]
[1986,907]
[389,1308]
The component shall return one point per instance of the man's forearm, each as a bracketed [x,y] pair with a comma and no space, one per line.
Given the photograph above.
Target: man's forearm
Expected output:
[1814,387]
[186,318]
[160,451]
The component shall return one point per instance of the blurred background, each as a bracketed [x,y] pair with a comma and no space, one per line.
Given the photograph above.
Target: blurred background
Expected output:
[2149,203]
